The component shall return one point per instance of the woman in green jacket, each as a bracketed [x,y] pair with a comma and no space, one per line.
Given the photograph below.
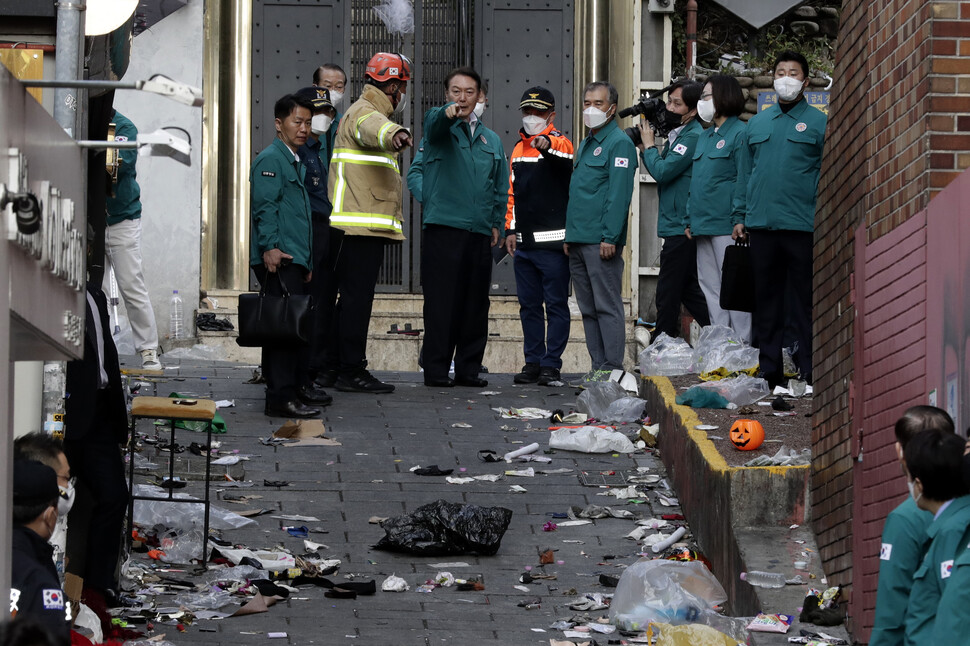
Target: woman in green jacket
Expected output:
[716,206]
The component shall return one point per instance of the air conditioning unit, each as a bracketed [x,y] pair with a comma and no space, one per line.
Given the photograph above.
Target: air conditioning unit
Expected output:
[660,6]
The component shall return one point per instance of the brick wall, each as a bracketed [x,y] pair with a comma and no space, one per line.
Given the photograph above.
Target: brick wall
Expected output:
[899,132]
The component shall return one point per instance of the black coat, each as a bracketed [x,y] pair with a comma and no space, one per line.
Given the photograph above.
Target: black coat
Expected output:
[90,414]
[34,578]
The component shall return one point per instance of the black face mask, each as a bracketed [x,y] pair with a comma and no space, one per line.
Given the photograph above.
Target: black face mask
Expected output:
[672,119]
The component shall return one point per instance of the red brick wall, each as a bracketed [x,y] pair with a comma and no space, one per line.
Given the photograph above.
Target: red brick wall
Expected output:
[898,133]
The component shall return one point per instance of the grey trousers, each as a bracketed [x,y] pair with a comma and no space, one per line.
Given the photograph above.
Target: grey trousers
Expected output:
[597,284]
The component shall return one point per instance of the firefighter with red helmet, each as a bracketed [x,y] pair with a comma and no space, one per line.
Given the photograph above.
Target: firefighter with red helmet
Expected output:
[365,190]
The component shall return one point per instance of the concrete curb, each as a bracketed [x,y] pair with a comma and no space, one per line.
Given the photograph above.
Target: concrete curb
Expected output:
[720,500]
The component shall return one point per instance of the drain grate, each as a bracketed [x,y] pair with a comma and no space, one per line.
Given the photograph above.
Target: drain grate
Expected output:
[603,479]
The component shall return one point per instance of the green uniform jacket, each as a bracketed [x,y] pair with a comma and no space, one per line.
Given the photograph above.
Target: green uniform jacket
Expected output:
[279,206]
[953,613]
[786,156]
[929,581]
[722,164]
[903,545]
[672,170]
[465,178]
[604,171]
[126,203]
[416,174]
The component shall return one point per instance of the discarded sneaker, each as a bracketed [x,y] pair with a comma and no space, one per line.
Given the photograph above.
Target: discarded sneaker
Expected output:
[549,377]
[528,375]
[149,360]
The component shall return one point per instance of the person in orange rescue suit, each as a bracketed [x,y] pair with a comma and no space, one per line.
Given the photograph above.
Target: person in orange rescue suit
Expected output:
[365,190]
[535,228]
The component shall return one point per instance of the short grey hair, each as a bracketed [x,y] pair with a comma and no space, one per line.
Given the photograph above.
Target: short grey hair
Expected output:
[614,96]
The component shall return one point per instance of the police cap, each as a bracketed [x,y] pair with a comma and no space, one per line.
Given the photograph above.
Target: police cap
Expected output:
[538,97]
[33,483]
[318,96]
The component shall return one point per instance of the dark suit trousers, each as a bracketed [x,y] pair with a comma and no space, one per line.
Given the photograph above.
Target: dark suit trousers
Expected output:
[456,267]
[285,369]
[676,284]
[782,259]
[100,469]
[323,288]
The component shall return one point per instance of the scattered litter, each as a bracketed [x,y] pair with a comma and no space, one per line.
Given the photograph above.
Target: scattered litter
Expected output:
[461,425]
[517,489]
[670,540]
[592,511]
[310,546]
[763,623]
[490,392]
[666,357]
[525,450]
[575,523]
[448,566]
[433,470]
[589,439]
[295,517]
[228,460]
[395,584]
[225,403]
[304,432]
[705,427]
[457,480]
[178,515]
[524,473]
[523,413]
[785,457]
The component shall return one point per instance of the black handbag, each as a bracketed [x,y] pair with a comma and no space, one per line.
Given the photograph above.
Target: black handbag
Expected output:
[266,320]
[737,278]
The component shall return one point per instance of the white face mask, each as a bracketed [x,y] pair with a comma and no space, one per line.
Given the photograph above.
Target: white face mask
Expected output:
[705,110]
[320,123]
[912,491]
[594,117]
[399,110]
[533,124]
[66,500]
[788,88]
[479,109]
[336,97]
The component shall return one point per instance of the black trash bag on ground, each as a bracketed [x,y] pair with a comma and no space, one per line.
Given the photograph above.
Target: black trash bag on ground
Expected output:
[441,528]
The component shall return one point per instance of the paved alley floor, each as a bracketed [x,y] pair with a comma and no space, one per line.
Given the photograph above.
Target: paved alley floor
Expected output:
[381,439]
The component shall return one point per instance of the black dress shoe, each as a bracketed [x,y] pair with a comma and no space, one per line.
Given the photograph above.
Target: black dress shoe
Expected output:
[291,409]
[471,382]
[439,382]
[314,396]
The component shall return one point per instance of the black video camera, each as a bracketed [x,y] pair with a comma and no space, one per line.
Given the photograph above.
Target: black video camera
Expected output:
[654,110]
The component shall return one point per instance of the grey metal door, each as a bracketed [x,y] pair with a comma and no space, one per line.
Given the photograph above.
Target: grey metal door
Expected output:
[290,40]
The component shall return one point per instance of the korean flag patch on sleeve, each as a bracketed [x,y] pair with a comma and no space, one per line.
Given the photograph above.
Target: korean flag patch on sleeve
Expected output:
[680,149]
[886,553]
[946,568]
[53,599]
[621,162]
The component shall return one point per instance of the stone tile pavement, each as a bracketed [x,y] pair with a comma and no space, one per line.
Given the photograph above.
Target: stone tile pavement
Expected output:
[381,438]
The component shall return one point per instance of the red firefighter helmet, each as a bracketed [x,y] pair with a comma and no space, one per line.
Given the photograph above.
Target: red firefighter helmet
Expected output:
[384,67]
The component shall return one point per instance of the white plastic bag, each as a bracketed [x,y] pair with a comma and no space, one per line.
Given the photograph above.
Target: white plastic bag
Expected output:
[590,439]
[180,515]
[673,592]
[596,399]
[667,357]
[742,390]
[719,347]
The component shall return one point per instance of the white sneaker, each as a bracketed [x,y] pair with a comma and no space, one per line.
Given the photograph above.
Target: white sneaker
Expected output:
[149,360]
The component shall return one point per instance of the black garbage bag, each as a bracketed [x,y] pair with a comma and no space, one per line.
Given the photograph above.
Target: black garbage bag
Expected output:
[441,528]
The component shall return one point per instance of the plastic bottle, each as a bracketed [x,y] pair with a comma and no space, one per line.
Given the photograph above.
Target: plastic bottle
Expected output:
[176,323]
[764,579]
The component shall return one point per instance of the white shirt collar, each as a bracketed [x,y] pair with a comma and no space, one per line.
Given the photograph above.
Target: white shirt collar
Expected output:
[672,136]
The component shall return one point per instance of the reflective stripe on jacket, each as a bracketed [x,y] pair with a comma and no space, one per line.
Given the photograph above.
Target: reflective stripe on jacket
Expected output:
[365,176]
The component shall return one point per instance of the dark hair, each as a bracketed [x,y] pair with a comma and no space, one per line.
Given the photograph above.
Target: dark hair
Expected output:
[614,95]
[690,92]
[285,105]
[40,447]
[727,95]
[936,458]
[484,87]
[328,66]
[922,418]
[789,55]
[25,631]
[382,84]
[464,71]
[26,514]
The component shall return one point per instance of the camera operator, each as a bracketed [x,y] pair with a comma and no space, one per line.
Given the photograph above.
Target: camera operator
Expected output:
[670,161]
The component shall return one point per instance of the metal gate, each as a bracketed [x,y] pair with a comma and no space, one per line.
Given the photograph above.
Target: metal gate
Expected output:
[512,48]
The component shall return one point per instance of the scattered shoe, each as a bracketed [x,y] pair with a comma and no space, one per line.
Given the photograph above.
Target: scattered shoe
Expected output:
[549,376]
[471,382]
[326,379]
[149,360]
[362,381]
[291,409]
[314,396]
[528,375]
[439,382]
